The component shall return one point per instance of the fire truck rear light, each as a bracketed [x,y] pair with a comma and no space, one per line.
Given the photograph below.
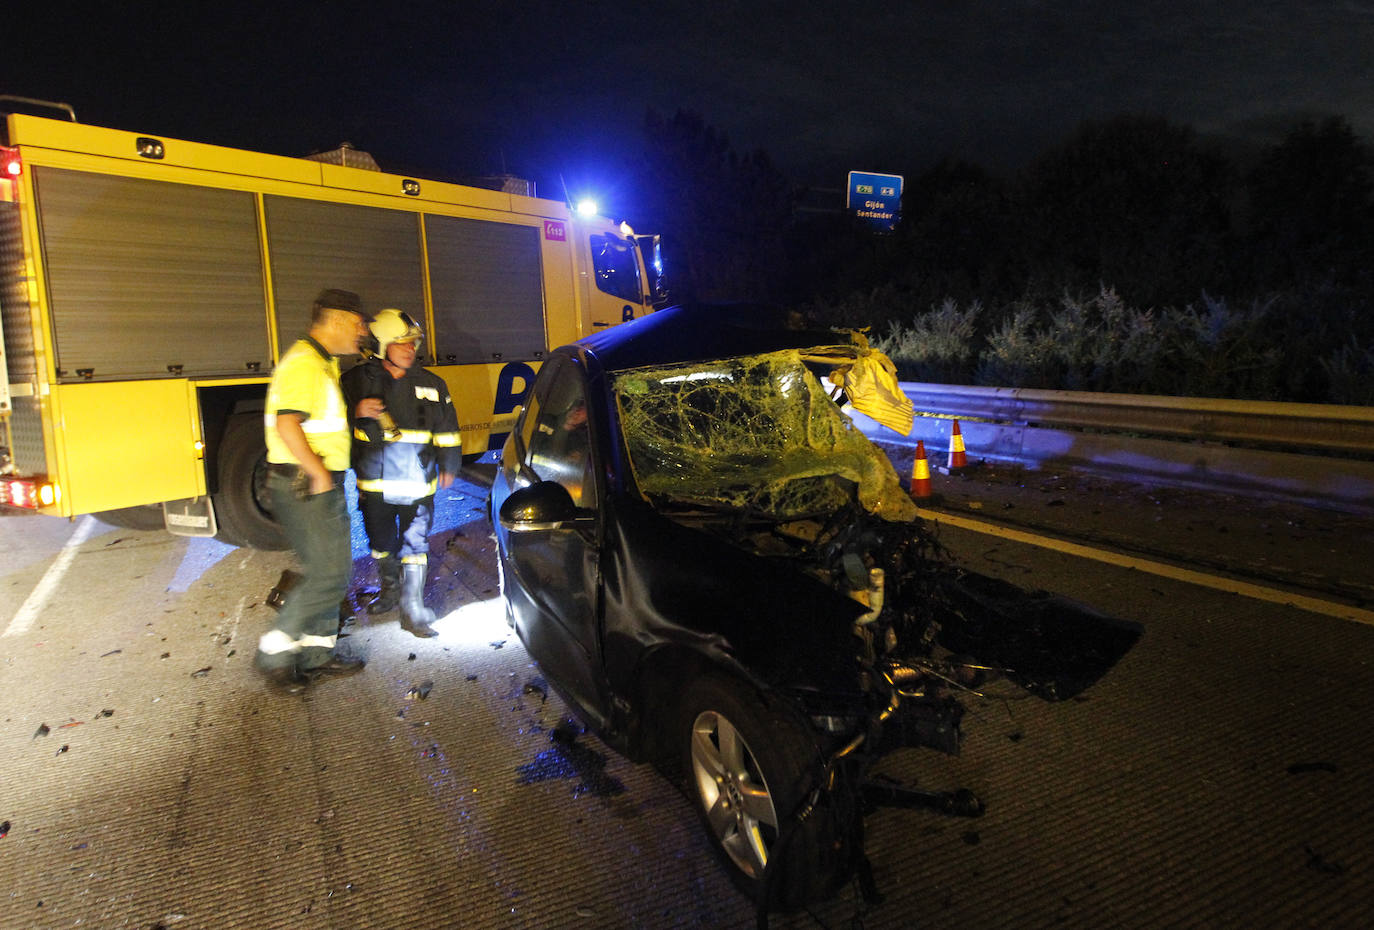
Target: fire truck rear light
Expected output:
[14,167]
[29,494]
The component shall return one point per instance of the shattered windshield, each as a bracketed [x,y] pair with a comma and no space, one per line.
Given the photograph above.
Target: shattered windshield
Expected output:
[757,434]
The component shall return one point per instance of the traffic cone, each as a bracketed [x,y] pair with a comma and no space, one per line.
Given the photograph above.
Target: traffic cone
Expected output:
[958,460]
[920,473]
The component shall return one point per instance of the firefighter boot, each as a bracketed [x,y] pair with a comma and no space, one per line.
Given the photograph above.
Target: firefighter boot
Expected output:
[389,569]
[415,616]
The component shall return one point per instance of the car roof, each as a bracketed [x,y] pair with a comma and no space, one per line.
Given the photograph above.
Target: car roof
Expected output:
[693,332]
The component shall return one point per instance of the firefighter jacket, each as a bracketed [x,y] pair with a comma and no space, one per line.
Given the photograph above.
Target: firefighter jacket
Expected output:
[403,464]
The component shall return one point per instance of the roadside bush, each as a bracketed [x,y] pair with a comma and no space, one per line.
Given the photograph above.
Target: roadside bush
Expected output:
[862,309]
[1017,354]
[1098,344]
[1350,371]
[1311,347]
[939,346]
[1216,351]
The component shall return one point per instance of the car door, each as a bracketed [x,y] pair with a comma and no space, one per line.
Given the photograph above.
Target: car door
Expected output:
[558,570]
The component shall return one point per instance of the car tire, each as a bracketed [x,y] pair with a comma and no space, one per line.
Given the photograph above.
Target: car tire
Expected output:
[750,769]
[144,517]
[242,507]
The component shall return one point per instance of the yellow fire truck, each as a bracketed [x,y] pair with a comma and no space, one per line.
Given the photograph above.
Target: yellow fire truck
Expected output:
[148,285]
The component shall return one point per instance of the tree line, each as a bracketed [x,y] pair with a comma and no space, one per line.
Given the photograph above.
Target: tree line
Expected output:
[1133,256]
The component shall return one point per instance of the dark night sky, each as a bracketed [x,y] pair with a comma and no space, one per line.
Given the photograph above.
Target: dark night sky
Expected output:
[543,89]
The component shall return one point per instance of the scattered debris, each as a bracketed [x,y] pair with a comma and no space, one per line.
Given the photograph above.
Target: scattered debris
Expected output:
[421,691]
[41,731]
[201,672]
[4,829]
[532,688]
[1302,768]
[277,596]
[411,657]
[501,644]
[111,653]
[107,712]
[71,722]
[62,750]
[565,732]
[165,655]
[472,678]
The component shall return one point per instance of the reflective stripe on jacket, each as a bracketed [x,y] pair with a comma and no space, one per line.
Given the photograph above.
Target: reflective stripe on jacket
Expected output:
[404,465]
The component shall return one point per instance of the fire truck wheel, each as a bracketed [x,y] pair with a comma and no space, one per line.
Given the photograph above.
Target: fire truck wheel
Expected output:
[147,517]
[242,507]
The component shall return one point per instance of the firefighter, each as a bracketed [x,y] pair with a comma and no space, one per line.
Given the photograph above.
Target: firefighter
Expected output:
[406,445]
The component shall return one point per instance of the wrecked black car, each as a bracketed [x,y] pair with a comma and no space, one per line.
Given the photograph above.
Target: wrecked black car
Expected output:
[721,574]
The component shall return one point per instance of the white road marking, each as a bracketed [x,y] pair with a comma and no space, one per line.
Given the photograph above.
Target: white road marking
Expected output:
[38,598]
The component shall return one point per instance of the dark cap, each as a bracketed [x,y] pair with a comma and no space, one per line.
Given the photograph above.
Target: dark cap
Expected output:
[334,299]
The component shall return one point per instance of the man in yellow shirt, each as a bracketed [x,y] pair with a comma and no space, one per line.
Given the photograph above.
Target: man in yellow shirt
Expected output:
[308,444]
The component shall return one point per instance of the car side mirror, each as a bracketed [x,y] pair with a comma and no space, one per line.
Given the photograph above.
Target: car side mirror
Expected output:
[545,505]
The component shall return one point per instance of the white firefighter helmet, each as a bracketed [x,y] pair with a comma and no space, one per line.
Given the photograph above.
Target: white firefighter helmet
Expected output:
[392,325]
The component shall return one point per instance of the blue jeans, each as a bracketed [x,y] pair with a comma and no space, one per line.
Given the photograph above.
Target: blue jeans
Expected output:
[307,626]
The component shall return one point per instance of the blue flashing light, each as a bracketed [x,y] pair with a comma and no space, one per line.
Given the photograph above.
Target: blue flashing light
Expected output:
[586,206]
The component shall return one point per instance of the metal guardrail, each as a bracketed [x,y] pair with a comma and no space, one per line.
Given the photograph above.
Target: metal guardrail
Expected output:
[1316,454]
[1301,427]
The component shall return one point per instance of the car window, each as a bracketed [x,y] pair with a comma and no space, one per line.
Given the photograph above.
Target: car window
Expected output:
[558,441]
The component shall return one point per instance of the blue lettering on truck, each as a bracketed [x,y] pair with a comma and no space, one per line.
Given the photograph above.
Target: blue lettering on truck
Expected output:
[511,384]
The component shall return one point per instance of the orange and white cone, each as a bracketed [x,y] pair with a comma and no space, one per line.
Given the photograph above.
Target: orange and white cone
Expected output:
[958,459]
[920,473]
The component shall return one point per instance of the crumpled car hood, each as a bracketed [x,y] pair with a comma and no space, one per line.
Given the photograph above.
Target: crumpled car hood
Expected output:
[741,451]
[675,583]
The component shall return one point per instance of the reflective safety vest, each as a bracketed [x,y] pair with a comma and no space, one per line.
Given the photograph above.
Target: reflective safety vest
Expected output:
[306,382]
[403,464]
